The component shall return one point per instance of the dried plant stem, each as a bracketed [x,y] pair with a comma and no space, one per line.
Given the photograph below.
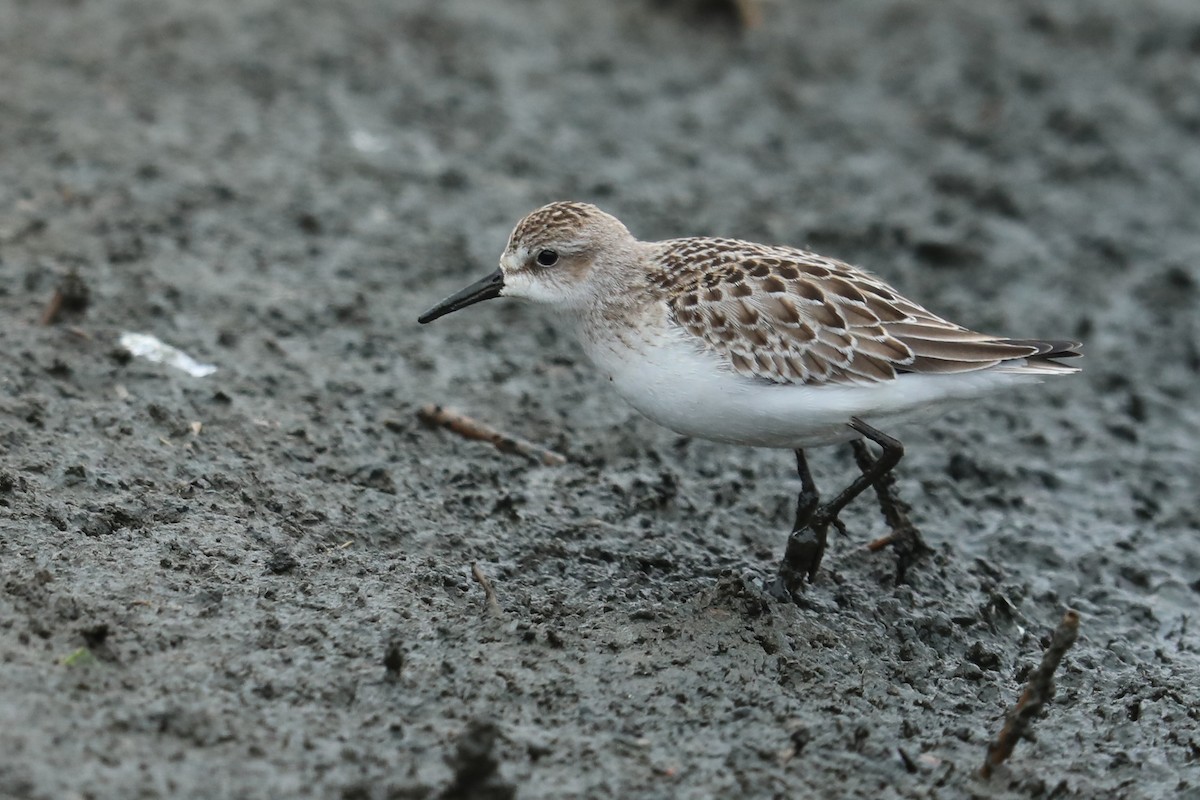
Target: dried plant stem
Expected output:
[1038,692]
[489,594]
[470,428]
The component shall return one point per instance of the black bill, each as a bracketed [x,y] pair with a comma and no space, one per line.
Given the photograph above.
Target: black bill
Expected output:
[480,290]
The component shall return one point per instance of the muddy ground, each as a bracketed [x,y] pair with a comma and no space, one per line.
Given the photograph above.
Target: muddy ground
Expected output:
[257,583]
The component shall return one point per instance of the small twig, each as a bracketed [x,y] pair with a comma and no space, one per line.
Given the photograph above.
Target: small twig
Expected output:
[1038,692]
[474,429]
[489,594]
[50,313]
[883,541]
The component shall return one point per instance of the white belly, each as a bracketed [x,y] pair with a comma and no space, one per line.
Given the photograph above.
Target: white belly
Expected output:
[681,386]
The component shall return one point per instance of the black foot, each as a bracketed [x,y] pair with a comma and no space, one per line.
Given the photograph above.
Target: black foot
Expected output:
[801,560]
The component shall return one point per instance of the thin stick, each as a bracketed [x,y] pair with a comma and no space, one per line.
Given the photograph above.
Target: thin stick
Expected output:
[50,314]
[469,428]
[883,541]
[1038,692]
[489,594]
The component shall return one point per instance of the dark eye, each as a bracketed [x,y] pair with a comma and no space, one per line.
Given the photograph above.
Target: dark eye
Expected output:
[547,258]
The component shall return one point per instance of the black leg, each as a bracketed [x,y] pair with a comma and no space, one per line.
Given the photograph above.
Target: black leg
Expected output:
[806,544]
[894,510]
[807,502]
[905,539]
[893,451]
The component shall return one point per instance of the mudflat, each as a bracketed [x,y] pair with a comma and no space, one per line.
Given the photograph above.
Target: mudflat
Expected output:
[258,583]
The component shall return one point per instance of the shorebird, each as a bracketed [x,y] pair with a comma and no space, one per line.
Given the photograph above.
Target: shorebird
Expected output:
[758,345]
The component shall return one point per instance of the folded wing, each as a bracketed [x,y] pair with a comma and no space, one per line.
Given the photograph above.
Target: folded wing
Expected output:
[790,316]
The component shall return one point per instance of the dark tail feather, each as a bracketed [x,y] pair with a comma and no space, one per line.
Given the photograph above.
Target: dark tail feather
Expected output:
[1045,358]
[1050,348]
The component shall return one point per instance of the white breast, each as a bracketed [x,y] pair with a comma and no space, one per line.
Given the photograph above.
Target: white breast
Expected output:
[669,377]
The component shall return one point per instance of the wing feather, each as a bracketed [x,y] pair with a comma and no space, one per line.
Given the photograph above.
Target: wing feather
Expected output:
[791,316]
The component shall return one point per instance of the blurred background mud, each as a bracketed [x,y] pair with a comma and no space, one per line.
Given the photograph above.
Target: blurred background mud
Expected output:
[258,583]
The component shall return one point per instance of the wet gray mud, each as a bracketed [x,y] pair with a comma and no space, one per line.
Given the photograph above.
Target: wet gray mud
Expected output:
[258,583]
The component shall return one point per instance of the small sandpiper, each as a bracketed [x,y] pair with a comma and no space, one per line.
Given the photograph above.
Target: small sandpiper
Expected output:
[758,345]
